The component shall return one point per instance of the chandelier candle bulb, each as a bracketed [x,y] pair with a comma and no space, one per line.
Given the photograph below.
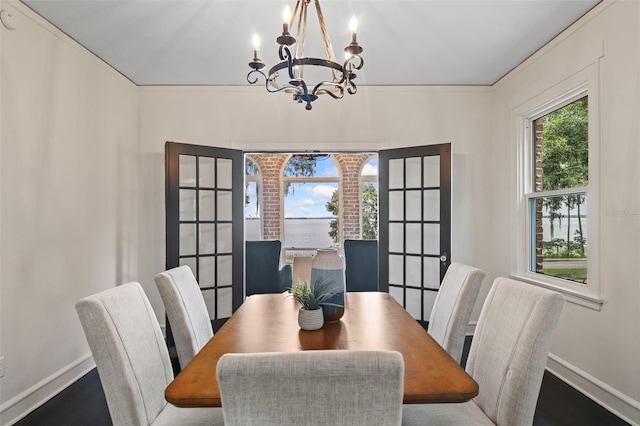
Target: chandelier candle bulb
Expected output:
[286,18]
[256,47]
[354,27]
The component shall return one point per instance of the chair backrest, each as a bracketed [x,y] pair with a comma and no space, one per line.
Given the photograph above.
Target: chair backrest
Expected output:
[312,387]
[453,306]
[130,352]
[186,311]
[361,265]
[509,349]
[262,268]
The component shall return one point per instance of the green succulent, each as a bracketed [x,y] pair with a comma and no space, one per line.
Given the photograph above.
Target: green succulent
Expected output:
[314,294]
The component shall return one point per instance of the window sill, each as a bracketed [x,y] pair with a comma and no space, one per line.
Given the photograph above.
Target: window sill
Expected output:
[572,296]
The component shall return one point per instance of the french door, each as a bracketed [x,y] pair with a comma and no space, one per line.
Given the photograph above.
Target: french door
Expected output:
[204,222]
[415,224]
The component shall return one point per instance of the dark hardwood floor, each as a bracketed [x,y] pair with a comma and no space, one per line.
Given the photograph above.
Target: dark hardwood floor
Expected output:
[83,403]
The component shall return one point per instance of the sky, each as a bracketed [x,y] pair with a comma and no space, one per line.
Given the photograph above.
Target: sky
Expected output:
[309,199]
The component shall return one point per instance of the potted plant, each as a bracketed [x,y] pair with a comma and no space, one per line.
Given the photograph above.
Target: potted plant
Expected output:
[312,295]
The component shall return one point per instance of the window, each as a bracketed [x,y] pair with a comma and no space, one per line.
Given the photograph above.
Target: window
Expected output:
[557,203]
[369,199]
[311,204]
[558,242]
[252,205]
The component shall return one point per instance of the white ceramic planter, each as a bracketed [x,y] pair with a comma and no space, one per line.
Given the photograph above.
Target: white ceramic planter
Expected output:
[310,320]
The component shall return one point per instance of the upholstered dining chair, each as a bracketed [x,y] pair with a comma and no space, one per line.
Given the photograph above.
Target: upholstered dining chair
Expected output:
[361,265]
[186,311]
[133,361]
[263,273]
[312,388]
[453,306]
[507,358]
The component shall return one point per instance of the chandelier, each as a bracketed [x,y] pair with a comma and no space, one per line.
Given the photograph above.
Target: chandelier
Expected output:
[294,62]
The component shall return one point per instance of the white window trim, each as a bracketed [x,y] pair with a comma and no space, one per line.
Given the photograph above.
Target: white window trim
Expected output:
[583,83]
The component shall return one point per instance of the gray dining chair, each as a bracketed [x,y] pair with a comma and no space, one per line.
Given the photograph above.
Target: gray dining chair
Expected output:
[186,311]
[361,265]
[312,388]
[507,358]
[453,306]
[263,273]
[133,361]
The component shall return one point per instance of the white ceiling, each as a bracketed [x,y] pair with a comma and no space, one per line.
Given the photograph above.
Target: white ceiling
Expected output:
[208,42]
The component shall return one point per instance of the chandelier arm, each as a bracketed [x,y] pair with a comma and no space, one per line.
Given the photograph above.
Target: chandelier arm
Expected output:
[349,63]
[331,93]
[255,78]
[352,89]
[285,55]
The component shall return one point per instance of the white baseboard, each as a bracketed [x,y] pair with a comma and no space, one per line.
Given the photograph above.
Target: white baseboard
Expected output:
[611,399]
[21,405]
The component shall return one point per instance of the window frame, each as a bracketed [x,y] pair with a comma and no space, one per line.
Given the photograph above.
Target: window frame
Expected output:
[362,181]
[257,178]
[309,179]
[584,83]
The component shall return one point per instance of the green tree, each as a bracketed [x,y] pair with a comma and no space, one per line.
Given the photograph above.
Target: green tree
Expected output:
[369,212]
[565,160]
[298,166]
[333,207]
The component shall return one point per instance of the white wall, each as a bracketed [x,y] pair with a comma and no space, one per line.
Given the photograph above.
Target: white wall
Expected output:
[597,351]
[69,211]
[376,117]
[82,184]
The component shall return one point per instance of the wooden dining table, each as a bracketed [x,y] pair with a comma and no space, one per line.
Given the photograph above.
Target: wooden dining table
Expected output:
[372,321]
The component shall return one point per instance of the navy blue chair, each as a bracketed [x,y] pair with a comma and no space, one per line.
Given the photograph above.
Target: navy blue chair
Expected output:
[361,265]
[263,273]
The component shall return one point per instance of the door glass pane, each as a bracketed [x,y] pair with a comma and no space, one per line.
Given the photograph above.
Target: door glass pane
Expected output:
[414,173]
[225,270]
[431,238]
[432,204]
[224,173]
[397,293]
[429,298]
[207,238]
[396,174]
[210,301]
[396,275]
[207,172]
[207,276]
[414,271]
[224,302]
[191,263]
[414,234]
[432,171]
[187,239]
[414,204]
[431,272]
[187,204]
[187,171]
[207,205]
[396,237]
[225,238]
[414,303]
[396,205]
[225,211]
